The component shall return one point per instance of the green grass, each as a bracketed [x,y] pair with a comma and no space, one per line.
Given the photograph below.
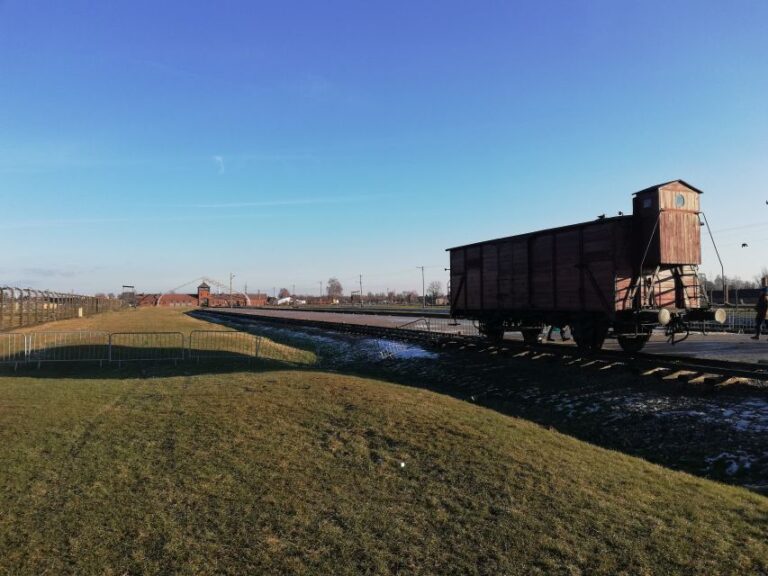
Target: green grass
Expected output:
[304,472]
[300,472]
[148,319]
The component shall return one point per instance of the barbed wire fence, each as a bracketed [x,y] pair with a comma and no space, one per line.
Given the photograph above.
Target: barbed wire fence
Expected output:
[21,307]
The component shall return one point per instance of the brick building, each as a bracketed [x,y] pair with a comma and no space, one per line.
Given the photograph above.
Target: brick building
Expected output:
[203,297]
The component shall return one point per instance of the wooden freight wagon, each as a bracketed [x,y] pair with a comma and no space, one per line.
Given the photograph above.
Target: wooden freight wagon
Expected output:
[629,273]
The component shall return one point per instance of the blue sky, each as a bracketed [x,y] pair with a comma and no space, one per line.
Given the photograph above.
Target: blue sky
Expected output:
[150,143]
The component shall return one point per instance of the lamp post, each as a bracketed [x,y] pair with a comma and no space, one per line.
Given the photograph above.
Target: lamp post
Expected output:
[423,291]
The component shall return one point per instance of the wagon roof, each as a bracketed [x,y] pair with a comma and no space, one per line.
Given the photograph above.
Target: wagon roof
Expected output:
[657,186]
[545,231]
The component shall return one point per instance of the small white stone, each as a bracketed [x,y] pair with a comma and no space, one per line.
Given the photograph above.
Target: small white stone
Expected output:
[402,464]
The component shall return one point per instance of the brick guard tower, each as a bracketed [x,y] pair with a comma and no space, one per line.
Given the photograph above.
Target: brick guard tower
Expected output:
[203,294]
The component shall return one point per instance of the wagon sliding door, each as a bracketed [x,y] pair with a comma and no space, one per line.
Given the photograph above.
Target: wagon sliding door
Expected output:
[598,268]
[567,273]
[458,281]
[474,278]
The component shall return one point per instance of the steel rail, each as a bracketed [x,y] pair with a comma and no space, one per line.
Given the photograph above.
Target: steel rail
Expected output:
[372,311]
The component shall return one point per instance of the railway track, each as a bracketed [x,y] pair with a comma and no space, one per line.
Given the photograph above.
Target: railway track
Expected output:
[369,310]
[682,369]
[678,368]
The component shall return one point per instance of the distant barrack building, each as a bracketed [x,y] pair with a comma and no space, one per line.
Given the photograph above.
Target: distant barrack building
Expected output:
[203,297]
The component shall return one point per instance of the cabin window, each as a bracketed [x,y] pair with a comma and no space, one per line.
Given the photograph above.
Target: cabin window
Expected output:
[647,203]
[679,201]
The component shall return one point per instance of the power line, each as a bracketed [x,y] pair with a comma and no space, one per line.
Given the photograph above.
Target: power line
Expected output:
[742,227]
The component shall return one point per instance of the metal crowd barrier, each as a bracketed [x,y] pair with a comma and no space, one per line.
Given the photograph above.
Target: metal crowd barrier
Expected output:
[133,346]
[223,344]
[739,320]
[272,351]
[13,348]
[80,346]
[86,346]
[440,327]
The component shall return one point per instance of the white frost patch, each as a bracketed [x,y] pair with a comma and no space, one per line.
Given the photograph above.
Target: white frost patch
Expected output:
[731,463]
[339,348]
[400,350]
[748,416]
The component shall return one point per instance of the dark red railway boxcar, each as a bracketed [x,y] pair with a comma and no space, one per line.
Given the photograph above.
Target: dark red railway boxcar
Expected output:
[629,273]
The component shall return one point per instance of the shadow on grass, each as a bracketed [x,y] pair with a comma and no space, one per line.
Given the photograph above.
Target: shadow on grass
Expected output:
[93,362]
[674,441]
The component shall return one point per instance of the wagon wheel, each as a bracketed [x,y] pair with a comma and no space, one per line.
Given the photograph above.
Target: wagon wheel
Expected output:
[531,335]
[633,343]
[589,334]
[582,335]
[492,330]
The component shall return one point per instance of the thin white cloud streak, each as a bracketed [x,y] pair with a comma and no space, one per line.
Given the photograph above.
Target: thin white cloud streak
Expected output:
[276,158]
[65,223]
[294,202]
[219,160]
[68,272]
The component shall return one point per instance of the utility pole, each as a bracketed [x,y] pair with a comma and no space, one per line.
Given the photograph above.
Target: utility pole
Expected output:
[293,293]
[361,290]
[448,289]
[231,276]
[423,291]
[321,287]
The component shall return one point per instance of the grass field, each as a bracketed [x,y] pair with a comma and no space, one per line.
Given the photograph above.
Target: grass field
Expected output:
[299,471]
[170,320]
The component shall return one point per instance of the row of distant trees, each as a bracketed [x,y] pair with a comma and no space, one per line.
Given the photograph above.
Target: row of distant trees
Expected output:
[334,291]
[733,282]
